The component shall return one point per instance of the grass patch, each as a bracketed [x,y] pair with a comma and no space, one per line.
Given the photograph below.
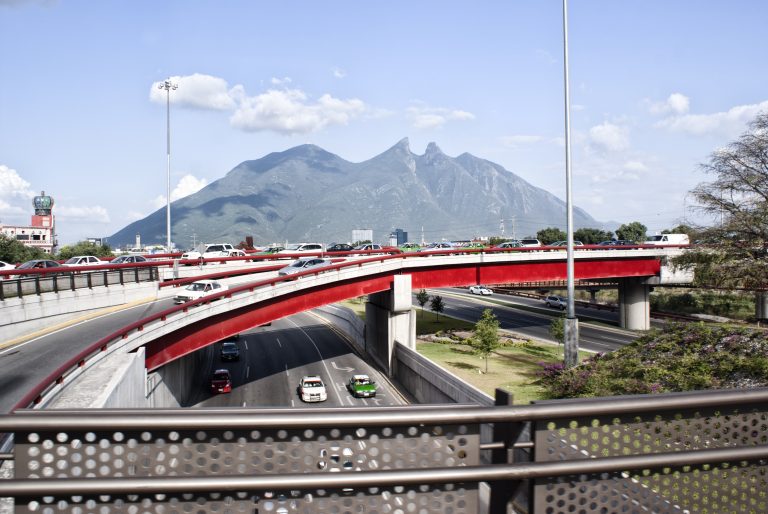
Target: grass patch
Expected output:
[515,366]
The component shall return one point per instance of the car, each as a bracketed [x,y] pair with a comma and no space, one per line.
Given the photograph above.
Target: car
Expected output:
[39,264]
[617,242]
[361,386]
[368,247]
[436,246]
[303,247]
[340,247]
[6,266]
[229,351]
[199,289]
[127,259]
[304,264]
[221,381]
[668,239]
[530,242]
[270,250]
[312,389]
[409,247]
[481,290]
[509,244]
[555,301]
[83,260]
[211,251]
[565,243]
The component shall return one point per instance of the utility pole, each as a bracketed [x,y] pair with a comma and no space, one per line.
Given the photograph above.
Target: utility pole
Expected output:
[168,85]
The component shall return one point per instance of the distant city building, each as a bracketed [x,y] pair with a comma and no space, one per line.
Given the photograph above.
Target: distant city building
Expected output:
[41,232]
[398,237]
[362,234]
[98,241]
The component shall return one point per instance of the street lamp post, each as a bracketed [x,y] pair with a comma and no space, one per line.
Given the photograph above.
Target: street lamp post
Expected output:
[168,85]
[571,324]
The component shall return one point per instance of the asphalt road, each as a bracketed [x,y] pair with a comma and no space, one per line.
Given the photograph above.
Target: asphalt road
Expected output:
[459,303]
[273,360]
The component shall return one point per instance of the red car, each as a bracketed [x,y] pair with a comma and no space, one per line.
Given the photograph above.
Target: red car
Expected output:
[221,382]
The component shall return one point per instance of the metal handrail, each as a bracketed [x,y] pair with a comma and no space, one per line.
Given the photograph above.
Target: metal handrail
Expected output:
[386,478]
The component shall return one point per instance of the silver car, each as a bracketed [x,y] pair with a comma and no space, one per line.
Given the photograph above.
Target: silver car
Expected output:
[304,264]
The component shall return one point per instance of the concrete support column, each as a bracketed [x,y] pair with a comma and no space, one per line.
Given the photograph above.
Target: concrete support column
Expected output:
[390,317]
[761,305]
[634,307]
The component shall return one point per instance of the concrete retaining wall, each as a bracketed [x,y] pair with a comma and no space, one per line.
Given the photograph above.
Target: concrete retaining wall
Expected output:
[174,384]
[114,382]
[429,383]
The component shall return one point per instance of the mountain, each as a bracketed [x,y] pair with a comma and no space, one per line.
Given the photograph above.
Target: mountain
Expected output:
[308,194]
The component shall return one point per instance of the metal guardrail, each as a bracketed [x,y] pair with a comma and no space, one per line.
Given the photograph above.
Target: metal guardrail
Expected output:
[686,452]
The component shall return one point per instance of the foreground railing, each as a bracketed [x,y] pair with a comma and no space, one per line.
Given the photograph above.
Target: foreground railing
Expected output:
[691,452]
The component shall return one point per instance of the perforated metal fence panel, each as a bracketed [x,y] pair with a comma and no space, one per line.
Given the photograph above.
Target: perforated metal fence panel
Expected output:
[733,487]
[209,453]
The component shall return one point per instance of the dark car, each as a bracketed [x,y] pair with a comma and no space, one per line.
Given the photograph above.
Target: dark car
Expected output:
[616,242]
[40,264]
[127,259]
[339,247]
[229,351]
[221,381]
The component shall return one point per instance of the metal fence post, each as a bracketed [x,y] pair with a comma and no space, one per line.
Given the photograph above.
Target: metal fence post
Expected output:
[502,492]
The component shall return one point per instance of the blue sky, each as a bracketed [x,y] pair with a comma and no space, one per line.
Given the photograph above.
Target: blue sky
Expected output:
[656,86]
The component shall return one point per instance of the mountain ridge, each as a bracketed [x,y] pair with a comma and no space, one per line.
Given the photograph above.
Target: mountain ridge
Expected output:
[306,193]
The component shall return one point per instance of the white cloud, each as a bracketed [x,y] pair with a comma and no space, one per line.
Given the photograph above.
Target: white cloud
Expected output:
[520,140]
[290,112]
[339,73]
[635,166]
[279,82]
[676,103]
[435,117]
[730,123]
[72,214]
[187,185]
[15,195]
[198,91]
[609,137]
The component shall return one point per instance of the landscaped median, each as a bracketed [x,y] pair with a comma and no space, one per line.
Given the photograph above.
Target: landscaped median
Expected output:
[514,366]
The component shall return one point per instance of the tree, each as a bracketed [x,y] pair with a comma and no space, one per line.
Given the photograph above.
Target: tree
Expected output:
[634,231]
[422,297]
[557,329]
[14,251]
[550,235]
[85,248]
[591,236]
[437,305]
[486,337]
[734,253]
[681,229]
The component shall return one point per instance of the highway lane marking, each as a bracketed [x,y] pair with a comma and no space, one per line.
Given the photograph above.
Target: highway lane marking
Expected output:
[39,334]
[278,343]
[245,343]
[333,363]
[322,360]
[247,371]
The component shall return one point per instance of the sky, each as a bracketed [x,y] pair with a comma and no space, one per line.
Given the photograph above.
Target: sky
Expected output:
[656,87]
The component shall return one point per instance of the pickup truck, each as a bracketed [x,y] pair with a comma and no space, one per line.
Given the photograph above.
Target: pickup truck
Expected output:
[211,251]
[361,386]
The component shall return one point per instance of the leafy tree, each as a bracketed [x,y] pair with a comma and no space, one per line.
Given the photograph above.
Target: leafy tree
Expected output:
[437,305]
[85,248]
[634,231]
[557,329]
[550,234]
[495,240]
[591,236]
[737,200]
[422,297]
[14,251]
[681,229]
[486,337]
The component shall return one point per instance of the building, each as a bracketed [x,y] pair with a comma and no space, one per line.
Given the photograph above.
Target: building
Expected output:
[398,237]
[41,232]
[362,234]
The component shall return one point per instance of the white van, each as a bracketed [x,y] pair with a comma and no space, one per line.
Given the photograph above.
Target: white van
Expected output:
[303,248]
[668,239]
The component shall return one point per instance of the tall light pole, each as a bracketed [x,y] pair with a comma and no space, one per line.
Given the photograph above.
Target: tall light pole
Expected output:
[168,85]
[571,324]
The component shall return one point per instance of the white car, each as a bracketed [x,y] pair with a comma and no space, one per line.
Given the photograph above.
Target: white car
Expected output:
[83,260]
[5,266]
[199,289]
[211,251]
[481,290]
[312,389]
[303,247]
[304,264]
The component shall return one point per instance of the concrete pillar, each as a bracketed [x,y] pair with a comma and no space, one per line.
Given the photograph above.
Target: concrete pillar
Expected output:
[634,307]
[390,317]
[761,305]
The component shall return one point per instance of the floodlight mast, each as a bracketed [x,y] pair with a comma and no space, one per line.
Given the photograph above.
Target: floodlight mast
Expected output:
[168,85]
[570,323]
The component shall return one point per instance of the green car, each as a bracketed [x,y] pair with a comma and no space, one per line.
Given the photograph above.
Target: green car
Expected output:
[361,386]
[409,247]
